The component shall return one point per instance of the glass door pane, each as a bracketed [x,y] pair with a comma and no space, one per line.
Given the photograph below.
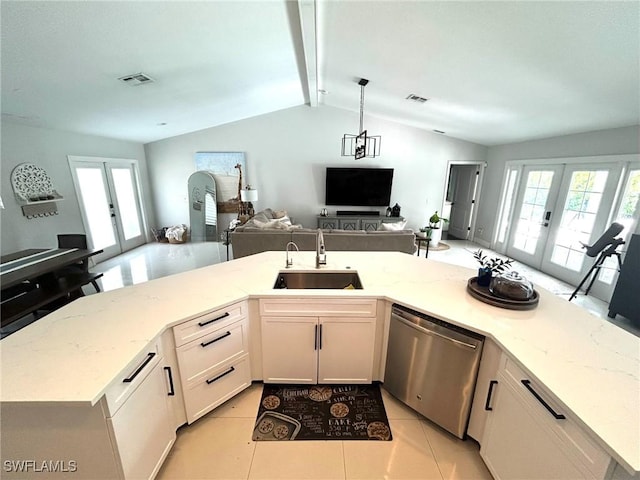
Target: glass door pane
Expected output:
[123,185]
[122,179]
[95,199]
[627,215]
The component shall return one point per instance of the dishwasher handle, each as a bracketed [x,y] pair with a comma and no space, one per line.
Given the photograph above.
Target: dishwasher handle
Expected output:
[428,331]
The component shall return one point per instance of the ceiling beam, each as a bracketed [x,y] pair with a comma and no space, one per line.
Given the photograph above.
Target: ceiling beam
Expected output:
[307,9]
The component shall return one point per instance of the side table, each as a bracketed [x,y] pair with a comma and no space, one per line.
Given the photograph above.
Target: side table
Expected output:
[420,239]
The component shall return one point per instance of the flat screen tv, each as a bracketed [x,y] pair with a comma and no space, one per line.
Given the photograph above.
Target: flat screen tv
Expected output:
[360,187]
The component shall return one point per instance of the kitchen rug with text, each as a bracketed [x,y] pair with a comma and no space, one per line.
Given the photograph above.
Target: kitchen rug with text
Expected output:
[321,412]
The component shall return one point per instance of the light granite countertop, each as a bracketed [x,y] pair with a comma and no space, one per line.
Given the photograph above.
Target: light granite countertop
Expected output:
[591,366]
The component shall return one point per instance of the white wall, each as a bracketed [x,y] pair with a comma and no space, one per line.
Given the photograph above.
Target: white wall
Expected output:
[603,142]
[48,149]
[287,152]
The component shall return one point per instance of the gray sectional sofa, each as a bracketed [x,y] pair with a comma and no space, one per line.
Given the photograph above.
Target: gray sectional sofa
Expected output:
[250,240]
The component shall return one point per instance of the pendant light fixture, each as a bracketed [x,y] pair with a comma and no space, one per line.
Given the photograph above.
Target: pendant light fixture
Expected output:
[361,145]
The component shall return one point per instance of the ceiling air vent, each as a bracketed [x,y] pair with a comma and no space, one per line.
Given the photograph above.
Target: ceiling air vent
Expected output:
[416,98]
[136,79]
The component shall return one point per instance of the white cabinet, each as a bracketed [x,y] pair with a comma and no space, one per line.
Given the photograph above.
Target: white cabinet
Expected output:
[290,349]
[139,416]
[143,427]
[213,356]
[299,346]
[529,435]
[345,350]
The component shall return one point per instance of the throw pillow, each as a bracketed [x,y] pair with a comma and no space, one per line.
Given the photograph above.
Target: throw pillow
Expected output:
[393,227]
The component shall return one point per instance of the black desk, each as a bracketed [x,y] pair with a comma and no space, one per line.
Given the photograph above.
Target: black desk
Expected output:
[39,269]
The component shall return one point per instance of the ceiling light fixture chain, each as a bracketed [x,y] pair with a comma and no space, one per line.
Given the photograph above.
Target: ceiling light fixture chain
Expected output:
[361,145]
[362,105]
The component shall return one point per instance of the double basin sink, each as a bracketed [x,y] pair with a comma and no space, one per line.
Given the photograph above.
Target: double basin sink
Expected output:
[317,280]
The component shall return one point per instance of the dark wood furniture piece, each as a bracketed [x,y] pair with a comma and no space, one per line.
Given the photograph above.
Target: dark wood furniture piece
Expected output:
[625,299]
[40,281]
[420,239]
[76,240]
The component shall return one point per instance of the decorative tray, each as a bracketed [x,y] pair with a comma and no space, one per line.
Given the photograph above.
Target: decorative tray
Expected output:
[484,295]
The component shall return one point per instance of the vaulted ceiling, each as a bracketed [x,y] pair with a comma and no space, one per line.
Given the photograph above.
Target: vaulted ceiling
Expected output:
[493,72]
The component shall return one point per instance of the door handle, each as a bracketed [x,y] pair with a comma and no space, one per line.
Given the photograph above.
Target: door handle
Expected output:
[487,404]
[547,217]
[315,338]
[172,390]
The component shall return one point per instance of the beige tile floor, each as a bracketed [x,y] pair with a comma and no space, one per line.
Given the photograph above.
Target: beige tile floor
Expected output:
[219,446]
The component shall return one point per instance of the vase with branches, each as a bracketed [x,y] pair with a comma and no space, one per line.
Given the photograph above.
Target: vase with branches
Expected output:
[490,266]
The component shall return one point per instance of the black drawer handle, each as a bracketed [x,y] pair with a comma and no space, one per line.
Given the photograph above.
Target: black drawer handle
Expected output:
[172,392]
[202,324]
[320,341]
[215,339]
[130,379]
[209,382]
[557,416]
[487,404]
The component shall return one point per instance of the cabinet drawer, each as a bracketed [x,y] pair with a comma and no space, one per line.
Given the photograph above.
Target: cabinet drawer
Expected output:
[197,327]
[352,307]
[135,372]
[579,444]
[208,391]
[211,351]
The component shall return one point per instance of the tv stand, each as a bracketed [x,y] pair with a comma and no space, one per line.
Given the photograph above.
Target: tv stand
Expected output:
[358,213]
[354,222]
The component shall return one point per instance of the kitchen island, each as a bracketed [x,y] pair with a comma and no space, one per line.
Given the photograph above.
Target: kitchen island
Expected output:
[72,356]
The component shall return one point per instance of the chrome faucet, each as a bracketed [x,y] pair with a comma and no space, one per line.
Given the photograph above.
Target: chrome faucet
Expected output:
[321,255]
[290,260]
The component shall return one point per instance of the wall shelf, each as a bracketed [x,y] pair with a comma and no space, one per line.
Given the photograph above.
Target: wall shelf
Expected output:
[34,191]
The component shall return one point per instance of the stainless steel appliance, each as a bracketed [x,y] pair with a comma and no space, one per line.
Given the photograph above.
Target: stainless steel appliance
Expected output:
[432,367]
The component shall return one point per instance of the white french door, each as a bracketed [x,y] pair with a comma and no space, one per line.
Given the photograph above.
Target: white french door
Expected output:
[584,207]
[532,216]
[110,203]
[557,208]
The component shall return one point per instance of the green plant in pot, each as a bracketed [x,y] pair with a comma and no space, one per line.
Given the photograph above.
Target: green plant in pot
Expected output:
[433,229]
[490,266]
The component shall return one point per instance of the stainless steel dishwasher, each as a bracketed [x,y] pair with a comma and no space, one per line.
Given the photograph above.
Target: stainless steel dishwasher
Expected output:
[432,367]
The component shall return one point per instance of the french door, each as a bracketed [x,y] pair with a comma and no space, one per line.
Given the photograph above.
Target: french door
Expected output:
[110,203]
[558,208]
[535,203]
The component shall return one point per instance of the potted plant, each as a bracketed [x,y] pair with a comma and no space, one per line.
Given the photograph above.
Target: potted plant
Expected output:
[433,230]
[490,266]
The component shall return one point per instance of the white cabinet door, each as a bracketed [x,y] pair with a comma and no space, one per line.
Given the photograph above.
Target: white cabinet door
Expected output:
[345,352]
[142,428]
[515,442]
[289,349]
[485,385]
